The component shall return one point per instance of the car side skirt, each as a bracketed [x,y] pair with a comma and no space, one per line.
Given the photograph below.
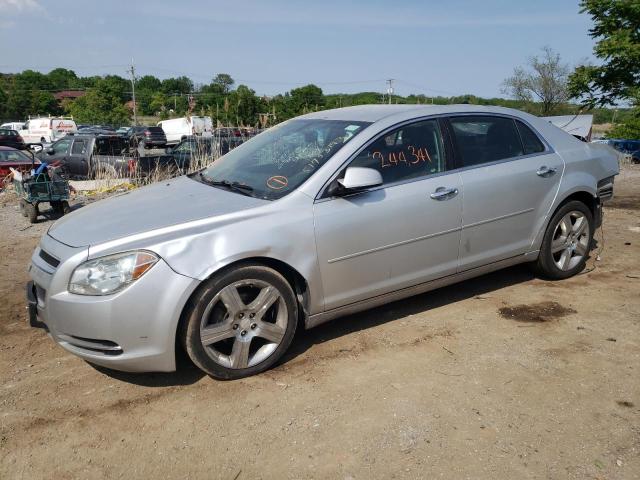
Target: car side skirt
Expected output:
[319,318]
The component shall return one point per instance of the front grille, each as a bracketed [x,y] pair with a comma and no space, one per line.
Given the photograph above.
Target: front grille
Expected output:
[54,262]
[106,347]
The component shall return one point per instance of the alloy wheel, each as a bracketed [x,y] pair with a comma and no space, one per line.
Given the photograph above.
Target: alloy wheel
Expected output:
[570,241]
[244,323]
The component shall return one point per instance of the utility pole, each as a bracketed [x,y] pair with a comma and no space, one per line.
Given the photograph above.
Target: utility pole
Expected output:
[132,71]
[390,88]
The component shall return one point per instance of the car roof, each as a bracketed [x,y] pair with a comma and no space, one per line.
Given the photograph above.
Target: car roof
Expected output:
[375,113]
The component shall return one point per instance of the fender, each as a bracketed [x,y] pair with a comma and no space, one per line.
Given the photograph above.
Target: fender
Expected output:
[572,182]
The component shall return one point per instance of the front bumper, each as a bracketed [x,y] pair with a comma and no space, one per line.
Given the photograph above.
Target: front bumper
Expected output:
[132,330]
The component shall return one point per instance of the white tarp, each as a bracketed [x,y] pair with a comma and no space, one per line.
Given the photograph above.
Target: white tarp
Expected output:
[576,125]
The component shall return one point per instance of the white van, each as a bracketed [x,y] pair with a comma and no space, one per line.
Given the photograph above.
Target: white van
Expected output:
[177,128]
[47,129]
[17,126]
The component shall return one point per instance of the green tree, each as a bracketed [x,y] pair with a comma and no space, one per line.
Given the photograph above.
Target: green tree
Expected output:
[244,106]
[616,30]
[224,82]
[307,98]
[63,79]
[545,79]
[182,85]
[103,104]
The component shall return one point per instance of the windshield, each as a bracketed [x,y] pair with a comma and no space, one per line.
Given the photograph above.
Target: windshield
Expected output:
[280,159]
[13,156]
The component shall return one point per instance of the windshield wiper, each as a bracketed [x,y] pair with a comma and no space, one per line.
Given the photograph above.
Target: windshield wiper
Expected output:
[235,186]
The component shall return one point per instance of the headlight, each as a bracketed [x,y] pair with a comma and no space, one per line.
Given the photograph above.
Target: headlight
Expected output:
[107,275]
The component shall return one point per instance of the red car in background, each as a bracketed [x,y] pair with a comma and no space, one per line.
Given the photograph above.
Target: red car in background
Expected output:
[12,158]
[11,138]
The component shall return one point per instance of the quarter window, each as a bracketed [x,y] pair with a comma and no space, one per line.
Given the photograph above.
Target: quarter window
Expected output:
[412,151]
[530,141]
[484,139]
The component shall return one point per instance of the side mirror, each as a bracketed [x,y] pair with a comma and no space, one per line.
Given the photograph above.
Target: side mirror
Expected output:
[360,178]
[50,151]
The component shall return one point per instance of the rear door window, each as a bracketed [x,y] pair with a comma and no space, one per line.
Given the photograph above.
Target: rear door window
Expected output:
[485,139]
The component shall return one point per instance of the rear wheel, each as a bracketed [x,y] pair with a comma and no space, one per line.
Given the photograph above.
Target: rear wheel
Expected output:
[567,242]
[240,323]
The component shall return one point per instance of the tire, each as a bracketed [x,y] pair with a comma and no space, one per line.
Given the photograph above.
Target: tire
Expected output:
[32,212]
[567,242]
[64,207]
[23,207]
[247,316]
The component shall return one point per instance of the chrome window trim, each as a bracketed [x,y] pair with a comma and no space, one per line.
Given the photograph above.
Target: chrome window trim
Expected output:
[548,150]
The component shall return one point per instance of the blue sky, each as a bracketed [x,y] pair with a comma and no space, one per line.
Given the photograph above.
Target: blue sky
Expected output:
[431,47]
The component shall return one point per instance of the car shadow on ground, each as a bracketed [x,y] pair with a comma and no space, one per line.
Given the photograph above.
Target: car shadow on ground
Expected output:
[188,374]
[339,327]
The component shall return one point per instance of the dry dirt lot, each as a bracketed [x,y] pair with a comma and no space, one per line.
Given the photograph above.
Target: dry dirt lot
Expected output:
[504,376]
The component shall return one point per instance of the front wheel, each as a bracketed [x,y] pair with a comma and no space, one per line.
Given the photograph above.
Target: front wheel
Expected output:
[240,322]
[567,242]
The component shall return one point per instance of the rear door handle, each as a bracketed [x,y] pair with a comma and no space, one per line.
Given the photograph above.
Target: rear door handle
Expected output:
[444,193]
[545,171]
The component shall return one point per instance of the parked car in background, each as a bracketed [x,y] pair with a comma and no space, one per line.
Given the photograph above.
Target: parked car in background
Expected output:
[11,138]
[324,215]
[201,150]
[47,129]
[177,129]
[13,158]
[122,130]
[98,129]
[153,137]
[17,126]
[98,155]
[624,146]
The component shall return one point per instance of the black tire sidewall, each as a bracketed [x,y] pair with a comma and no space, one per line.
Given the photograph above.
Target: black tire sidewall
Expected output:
[32,212]
[545,265]
[190,331]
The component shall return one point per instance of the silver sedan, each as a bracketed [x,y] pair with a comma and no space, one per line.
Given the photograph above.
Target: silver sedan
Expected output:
[321,216]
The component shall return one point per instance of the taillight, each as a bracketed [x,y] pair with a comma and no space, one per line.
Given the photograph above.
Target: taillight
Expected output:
[132,165]
[147,133]
[19,138]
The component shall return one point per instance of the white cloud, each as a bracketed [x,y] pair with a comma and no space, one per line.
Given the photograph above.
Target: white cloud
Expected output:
[20,6]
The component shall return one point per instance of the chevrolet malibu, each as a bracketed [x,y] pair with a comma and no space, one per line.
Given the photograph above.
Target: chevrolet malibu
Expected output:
[321,216]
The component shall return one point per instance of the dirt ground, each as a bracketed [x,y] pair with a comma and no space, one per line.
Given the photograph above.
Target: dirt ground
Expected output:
[505,376]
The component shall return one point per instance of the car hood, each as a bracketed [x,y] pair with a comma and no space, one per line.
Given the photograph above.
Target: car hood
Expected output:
[159,205]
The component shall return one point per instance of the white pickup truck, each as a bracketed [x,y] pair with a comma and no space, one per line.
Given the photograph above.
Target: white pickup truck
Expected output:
[177,129]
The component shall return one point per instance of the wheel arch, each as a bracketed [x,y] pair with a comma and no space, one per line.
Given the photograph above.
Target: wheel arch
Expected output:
[584,195]
[298,283]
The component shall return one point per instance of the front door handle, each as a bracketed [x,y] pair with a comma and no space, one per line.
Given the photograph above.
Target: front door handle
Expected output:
[545,171]
[444,193]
